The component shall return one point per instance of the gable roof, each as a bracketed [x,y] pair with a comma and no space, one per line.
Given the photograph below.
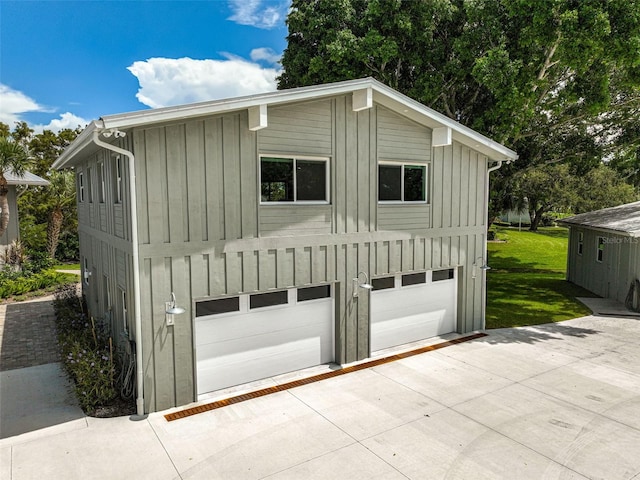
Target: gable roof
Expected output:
[623,219]
[379,93]
[27,179]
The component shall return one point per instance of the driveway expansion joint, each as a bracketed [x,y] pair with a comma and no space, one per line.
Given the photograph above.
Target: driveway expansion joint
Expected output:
[188,412]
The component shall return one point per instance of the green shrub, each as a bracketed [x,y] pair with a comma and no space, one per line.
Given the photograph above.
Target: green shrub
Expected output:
[21,282]
[87,353]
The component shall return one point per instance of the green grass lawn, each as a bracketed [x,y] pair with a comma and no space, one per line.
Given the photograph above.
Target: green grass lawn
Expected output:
[526,284]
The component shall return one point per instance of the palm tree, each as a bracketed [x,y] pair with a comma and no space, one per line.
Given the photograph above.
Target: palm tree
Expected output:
[62,194]
[15,158]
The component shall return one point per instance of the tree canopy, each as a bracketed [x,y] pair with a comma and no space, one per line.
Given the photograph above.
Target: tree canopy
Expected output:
[556,80]
[48,215]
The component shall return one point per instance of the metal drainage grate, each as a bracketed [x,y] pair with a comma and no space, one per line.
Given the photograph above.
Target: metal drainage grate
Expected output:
[316,378]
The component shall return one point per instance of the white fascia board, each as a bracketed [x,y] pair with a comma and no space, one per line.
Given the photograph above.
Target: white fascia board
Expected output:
[79,144]
[381,94]
[158,115]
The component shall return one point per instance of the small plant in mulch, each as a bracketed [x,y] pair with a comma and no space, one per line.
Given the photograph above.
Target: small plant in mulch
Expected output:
[88,356]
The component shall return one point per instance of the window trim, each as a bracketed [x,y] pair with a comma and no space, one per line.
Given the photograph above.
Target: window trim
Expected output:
[402,164]
[327,162]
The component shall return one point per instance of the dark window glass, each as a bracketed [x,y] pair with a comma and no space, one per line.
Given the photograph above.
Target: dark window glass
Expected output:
[580,242]
[268,299]
[414,181]
[311,180]
[414,279]
[383,283]
[312,293]
[276,179]
[216,307]
[600,249]
[389,182]
[438,275]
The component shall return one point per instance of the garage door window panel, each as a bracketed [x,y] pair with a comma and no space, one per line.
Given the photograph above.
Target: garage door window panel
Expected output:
[271,299]
[414,279]
[314,293]
[383,283]
[439,275]
[218,306]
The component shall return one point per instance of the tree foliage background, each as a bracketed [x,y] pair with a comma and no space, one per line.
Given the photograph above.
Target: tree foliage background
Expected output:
[48,215]
[558,81]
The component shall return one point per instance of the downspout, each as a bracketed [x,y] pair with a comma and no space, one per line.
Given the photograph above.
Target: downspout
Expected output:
[134,253]
[485,256]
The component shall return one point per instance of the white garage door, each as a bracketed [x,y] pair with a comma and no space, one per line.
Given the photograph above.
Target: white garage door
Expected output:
[407,308]
[249,337]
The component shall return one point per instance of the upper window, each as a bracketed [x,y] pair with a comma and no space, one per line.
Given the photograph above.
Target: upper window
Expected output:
[89,186]
[101,182]
[81,186]
[580,242]
[294,180]
[402,183]
[118,180]
[600,252]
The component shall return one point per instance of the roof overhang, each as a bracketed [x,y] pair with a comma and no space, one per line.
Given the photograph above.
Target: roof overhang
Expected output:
[623,220]
[365,92]
[27,179]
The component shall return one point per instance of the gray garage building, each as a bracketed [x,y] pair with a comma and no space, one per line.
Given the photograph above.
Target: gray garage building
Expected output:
[604,252]
[268,216]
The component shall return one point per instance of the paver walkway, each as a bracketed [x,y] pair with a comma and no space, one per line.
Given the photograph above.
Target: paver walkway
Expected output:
[28,334]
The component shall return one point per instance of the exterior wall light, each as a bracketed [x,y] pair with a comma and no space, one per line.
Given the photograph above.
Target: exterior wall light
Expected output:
[357,285]
[171,309]
[483,267]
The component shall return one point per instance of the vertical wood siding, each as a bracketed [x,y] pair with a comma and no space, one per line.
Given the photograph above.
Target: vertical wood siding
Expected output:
[610,278]
[203,233]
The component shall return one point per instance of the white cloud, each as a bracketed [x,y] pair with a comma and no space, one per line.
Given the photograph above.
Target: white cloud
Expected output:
[266,54]
[175,81]
[258,13]
[66,120]
[13,103]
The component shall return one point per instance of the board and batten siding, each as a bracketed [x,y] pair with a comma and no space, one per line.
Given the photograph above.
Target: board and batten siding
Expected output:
[620,265]
[203,233]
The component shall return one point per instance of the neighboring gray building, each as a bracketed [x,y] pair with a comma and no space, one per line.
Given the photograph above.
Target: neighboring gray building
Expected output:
[604,251]
[261,212]
[13,231]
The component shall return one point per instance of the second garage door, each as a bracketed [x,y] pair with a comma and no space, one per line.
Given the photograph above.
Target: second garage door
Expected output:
[412,307]
[244,338]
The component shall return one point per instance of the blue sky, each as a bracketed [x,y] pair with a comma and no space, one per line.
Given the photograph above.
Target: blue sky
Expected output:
[63,63]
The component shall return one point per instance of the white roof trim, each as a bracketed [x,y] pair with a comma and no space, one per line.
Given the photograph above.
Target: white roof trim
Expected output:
[381,93]
[27,179]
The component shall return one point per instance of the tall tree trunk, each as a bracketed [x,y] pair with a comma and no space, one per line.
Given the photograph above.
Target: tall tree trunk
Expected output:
[4,209]
[53,231]
[536,217]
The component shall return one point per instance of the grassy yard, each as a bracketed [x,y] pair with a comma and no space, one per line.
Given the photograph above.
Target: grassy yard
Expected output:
[526,284]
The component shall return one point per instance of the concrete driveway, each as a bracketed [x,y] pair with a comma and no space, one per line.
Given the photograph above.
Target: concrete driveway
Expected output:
[546,402]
